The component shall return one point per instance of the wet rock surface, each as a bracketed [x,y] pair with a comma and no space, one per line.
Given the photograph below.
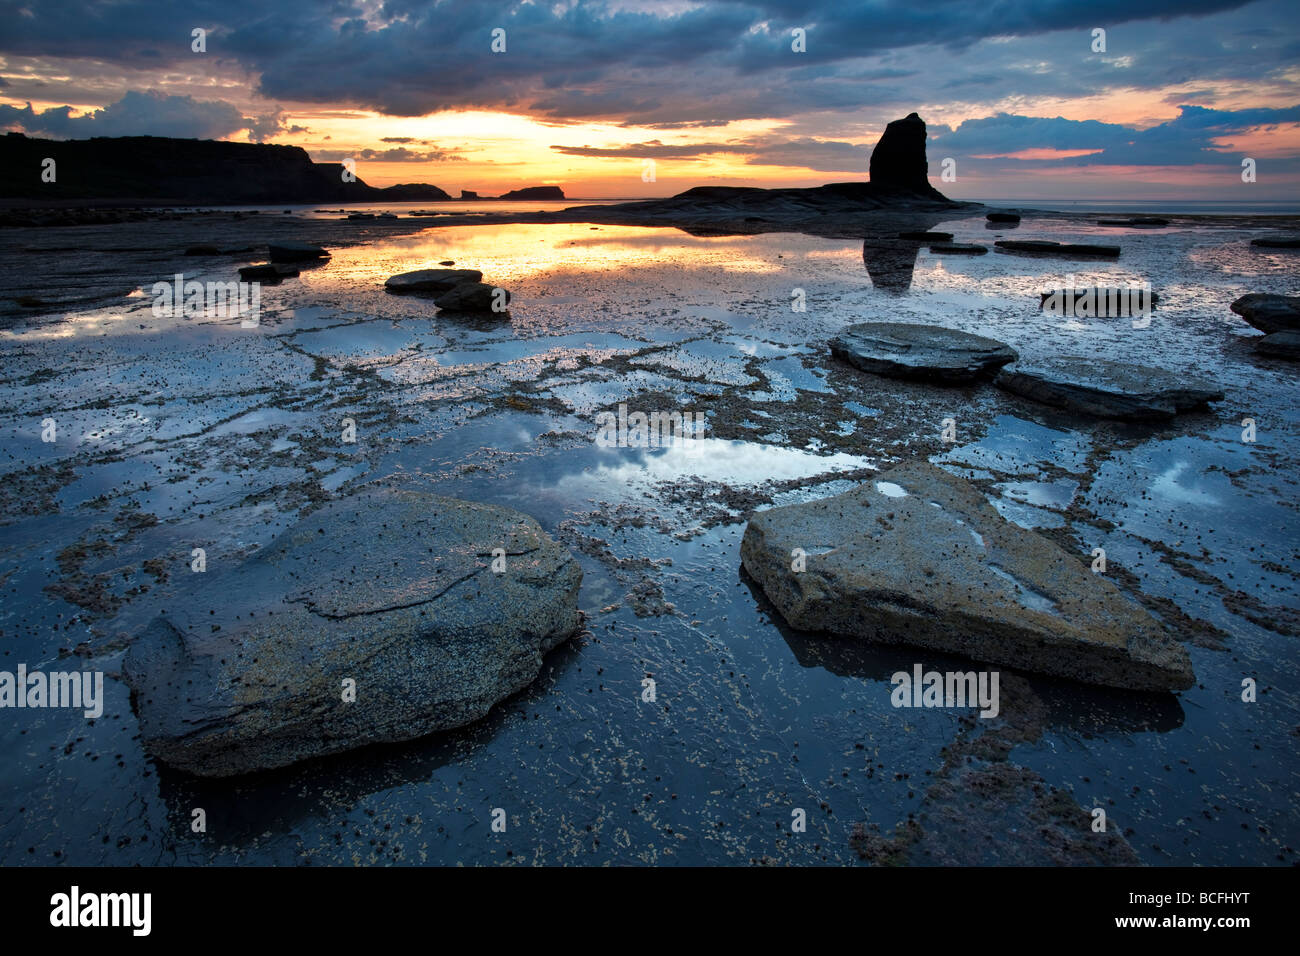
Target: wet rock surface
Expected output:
[1280,345]
[1108,389]
[1098,300]
[1038,247]
[431,280]
[904,350]
[473,297]
[926,236]
[392,590]
[295,252]
[919,557]
[959,248]
[1269,313]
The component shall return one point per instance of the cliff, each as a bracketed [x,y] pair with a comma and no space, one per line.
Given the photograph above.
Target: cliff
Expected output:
[159,169]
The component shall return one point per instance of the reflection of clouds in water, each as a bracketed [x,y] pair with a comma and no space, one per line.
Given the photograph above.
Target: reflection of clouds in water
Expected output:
[1168,486]
[716,459]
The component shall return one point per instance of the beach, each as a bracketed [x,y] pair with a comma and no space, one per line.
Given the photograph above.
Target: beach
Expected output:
[191,431]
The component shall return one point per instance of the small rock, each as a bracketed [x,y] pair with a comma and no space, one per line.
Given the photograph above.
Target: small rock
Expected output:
[1277,242]
[1100,301]
[295,252]
[1280,345]
[1009,217]
[926,236]
[431,280]
[905,350]
[1108,389]
[471,297]
[958,248]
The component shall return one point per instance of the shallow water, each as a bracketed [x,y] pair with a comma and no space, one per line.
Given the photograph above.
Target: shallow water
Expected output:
[193,432]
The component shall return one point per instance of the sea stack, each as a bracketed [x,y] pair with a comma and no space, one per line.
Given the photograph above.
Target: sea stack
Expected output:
[898,161]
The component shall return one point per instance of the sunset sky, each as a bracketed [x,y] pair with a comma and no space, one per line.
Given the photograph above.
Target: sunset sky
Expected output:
[713,92]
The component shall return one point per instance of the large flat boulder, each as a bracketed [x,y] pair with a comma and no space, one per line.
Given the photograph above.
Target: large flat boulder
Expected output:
[1092,386]
[391,589]
[920,557]
[1277,242]
[1269,313]
[928,352]
[431,280]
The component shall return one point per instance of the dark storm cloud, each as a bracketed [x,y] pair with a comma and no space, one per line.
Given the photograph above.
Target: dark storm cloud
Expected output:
[579,60]
[141,114]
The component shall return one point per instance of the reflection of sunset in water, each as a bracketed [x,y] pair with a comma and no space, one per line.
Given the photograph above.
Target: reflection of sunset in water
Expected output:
[521,251]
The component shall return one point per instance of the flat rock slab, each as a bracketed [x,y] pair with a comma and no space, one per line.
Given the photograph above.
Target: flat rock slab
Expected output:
[1137,221]
[958,248]
[295,252]
[920,557]
[392,589]
[1107,389]
[1003,217]
[1280,345]
[1043,248]
[1269,313]
[928,352]
[1277,242]
[1101,301]
[431,280]
[926,236]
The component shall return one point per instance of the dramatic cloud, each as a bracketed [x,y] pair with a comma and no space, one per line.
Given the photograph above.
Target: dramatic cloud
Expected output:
[141,114]
[1187,140]
[572,60]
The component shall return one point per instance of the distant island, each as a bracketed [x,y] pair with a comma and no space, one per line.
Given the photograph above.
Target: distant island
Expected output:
[159,169]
